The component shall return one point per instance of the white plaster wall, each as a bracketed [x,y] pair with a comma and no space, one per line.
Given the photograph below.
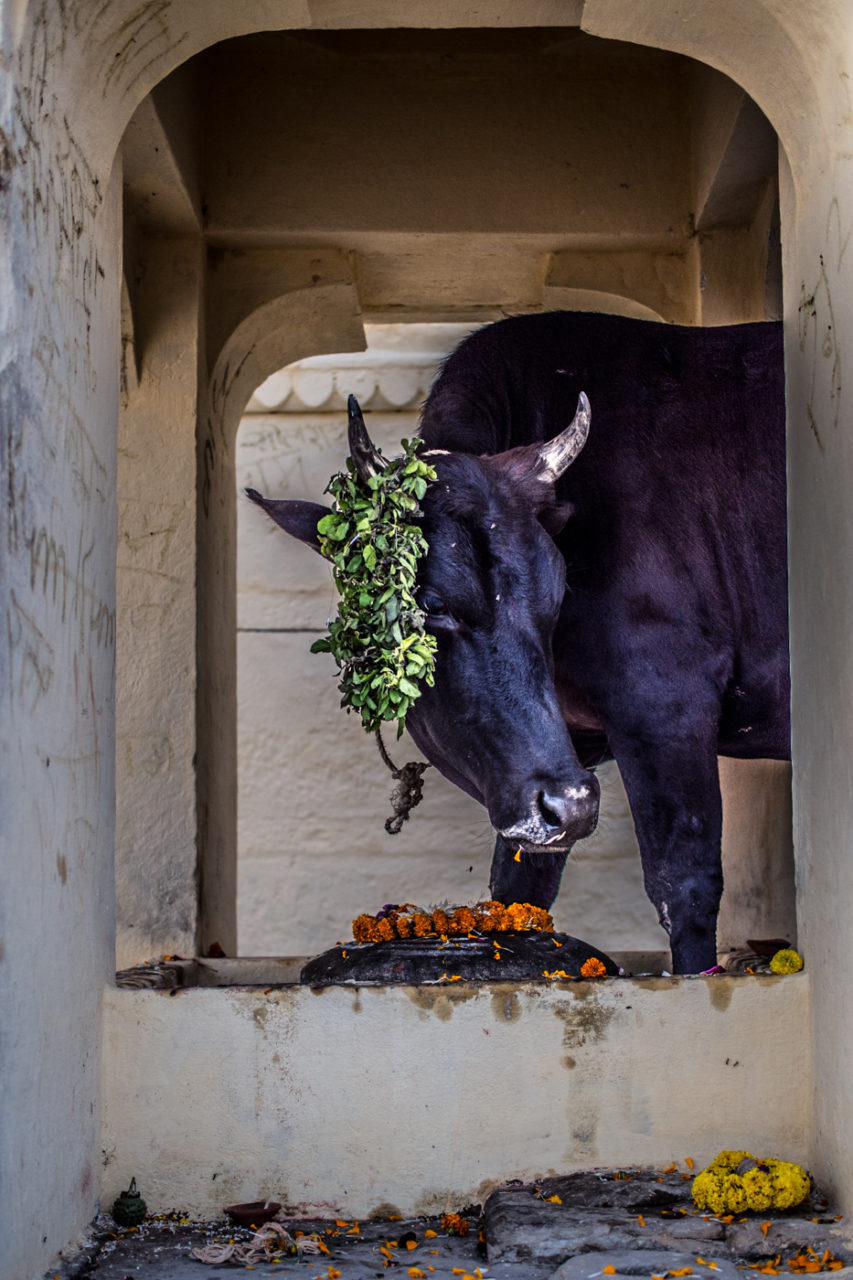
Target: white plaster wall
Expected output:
[433,1095]
[60,221]
[820,451]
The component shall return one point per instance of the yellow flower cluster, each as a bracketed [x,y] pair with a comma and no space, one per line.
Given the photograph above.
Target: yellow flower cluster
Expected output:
[409,921]
[736,1181]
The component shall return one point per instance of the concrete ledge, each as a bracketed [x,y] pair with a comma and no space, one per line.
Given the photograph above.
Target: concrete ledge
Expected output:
[416,1099]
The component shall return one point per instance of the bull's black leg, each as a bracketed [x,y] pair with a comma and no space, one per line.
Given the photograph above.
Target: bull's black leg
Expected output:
[674,791]
[534,879]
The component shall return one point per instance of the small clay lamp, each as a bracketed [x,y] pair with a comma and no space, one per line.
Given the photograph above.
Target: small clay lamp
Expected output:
[254,1213]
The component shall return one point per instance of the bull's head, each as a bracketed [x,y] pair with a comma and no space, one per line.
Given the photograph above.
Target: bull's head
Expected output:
[491,587]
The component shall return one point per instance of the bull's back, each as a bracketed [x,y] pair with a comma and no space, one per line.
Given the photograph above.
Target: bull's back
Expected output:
[517,381]
[679,493]
[688,424]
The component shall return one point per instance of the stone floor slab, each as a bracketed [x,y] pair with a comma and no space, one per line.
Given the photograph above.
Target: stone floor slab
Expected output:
[521,1225]
[646,1264]
[785,1234]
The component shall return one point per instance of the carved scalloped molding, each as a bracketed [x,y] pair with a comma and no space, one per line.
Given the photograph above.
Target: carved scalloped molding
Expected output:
[394,373]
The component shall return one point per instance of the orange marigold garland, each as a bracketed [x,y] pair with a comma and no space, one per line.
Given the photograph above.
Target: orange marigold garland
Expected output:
[409,921]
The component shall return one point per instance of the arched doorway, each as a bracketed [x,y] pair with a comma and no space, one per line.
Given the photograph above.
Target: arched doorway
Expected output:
[77,78]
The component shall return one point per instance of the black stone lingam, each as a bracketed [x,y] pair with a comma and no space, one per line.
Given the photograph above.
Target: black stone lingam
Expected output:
[526,956]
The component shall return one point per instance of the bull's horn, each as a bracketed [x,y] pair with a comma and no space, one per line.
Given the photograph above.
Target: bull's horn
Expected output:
[558,454]
[366,457]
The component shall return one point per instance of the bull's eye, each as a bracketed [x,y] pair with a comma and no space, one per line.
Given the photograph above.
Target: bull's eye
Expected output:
[432,603]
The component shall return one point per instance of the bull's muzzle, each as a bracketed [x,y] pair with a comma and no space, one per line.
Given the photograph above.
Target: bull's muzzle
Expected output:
[557,816]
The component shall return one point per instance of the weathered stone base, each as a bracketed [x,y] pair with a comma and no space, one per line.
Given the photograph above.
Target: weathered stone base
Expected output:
[496,957]
[641,1223]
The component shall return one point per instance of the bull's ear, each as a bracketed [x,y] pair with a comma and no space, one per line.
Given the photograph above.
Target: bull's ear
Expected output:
[555,517]
[299,519]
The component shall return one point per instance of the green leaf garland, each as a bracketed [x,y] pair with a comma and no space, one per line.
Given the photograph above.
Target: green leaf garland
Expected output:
[374,542]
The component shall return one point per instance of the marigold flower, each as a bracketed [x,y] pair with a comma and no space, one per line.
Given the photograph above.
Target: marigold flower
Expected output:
[593,968]
[465,919]
[786,961]
[494,917]
[361,928]
[454,1224]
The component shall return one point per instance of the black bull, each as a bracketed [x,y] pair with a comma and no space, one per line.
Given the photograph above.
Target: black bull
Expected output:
[624,597]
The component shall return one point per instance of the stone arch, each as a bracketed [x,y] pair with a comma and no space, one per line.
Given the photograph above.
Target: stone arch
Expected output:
[73,77]
[726,37]
[115,54]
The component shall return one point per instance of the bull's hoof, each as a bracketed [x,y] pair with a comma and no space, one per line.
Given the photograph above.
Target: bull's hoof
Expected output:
[496,957]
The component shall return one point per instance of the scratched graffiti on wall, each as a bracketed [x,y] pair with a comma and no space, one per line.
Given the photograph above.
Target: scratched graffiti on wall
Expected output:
[817,327]
[58,484]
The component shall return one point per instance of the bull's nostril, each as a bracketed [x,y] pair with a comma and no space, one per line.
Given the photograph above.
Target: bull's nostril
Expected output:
[552,818]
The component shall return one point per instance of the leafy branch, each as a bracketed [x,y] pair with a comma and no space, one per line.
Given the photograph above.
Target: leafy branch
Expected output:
[373,540]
